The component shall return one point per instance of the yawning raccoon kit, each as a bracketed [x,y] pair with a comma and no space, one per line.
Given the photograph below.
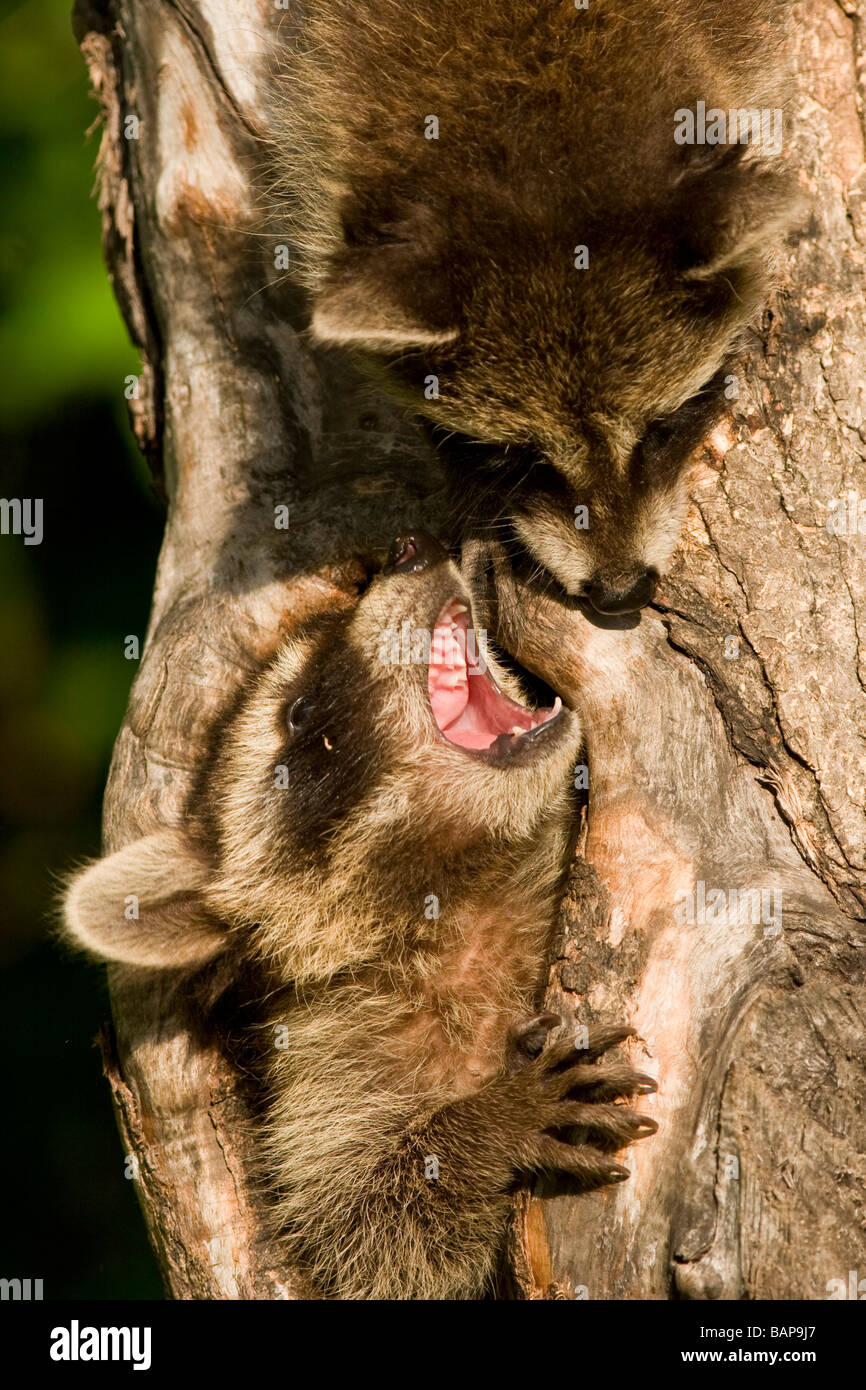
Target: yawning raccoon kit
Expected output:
[383,843]
[556,284]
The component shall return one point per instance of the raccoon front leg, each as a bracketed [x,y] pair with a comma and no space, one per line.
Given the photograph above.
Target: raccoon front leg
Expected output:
[426,1220]
[545,1093]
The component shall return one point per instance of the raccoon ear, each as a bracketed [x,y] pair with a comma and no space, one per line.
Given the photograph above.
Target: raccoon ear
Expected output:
[727,209]
[365,306]
[142,905]
[389,287]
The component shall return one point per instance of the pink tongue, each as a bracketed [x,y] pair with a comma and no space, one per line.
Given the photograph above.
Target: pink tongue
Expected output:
[466,733]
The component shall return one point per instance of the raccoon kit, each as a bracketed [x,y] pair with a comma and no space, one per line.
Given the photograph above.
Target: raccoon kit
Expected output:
[389,825]
[547,228]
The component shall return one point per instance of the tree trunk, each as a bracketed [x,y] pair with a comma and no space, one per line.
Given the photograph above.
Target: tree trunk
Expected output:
[735,764]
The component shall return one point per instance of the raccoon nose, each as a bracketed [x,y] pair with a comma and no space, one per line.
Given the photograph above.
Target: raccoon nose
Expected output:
[627,595]
[413,553]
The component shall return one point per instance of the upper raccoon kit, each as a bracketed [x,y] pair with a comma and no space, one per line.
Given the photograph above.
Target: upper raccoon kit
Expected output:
[388,853]
[493,202]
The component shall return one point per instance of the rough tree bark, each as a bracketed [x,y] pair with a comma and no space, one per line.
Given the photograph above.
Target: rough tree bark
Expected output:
[735,764]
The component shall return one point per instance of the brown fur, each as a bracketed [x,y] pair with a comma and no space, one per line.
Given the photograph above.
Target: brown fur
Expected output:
[394,1022]
[453,257]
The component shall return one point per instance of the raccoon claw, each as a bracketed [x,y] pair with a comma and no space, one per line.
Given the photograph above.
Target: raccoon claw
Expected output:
[526,1040]
[571,1065]
[588,1166]
[646,1127]
[588,1045]
[609,1126]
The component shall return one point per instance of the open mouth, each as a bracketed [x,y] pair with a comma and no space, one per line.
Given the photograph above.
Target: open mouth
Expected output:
[469,708]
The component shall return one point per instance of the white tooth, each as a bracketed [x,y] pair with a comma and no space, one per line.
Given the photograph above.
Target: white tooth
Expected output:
[557,706]
[516,730]
[459,608]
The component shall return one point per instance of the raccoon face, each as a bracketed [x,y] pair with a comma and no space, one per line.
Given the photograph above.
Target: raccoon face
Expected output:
[576,387]
[382,757]
[603,535]
[381,741]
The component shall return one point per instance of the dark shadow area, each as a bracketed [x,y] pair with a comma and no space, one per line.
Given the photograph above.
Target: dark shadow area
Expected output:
[67,609]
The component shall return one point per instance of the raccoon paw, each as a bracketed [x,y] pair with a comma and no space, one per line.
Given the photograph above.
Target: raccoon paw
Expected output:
[571,1087]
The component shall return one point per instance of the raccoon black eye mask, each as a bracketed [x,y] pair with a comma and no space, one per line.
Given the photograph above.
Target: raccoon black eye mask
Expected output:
[392,887]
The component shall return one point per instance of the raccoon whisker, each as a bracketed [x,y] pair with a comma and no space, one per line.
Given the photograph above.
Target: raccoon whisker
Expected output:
[494,490]
[239,230]
[269,285]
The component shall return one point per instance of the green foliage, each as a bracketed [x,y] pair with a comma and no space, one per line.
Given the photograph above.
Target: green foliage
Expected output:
[60,329]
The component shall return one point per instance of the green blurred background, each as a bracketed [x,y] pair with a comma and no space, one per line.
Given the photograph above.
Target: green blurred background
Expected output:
[65,608]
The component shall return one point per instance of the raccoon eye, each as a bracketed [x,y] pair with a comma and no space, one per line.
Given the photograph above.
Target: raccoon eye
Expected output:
[688,425]
[301,712]
[660,433]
